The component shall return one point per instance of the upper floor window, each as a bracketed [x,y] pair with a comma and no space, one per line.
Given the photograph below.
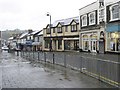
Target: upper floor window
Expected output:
[114,11]
[101,15]
[48,30]
[59,29]
[84,20]
[66,29]
[92,18]
[73,28]
[53,30]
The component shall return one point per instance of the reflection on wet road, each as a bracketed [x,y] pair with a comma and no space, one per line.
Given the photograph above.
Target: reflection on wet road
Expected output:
[16,72]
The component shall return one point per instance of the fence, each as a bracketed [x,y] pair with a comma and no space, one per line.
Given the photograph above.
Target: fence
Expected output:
[104,70]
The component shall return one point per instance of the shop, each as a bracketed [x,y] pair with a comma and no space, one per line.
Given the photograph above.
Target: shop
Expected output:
[113,38]
[90,42]
[71,43]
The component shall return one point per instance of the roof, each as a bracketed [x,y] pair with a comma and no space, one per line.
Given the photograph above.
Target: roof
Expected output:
[34,32]
[40,33]
[66,21]
[11,38]
[87,5]
[23,35]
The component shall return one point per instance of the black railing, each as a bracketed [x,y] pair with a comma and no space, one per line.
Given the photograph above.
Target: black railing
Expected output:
[104,70]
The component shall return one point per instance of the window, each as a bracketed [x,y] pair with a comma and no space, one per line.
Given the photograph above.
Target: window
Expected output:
[114,12]
[92,18]
[59,44]
[66,29]
[73,28]
[84,20]
[53,30]
[101,14]
[38,39]
[47,43]
[59,29]
[48,31]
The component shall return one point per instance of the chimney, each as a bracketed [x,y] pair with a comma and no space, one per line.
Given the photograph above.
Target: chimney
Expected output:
[30,30]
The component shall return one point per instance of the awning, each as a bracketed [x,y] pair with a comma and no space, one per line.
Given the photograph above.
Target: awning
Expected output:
[113,28]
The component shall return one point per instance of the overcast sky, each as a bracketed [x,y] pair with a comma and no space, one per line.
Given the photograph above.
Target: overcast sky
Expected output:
[31,14]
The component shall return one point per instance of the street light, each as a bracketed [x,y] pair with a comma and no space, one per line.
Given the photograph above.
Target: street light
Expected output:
[48,14]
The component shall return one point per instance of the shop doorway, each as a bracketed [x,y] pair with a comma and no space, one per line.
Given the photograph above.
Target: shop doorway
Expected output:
[102,46]
[94,45]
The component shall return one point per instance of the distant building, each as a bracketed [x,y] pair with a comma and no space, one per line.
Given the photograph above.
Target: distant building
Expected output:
[38,40]
[64,35]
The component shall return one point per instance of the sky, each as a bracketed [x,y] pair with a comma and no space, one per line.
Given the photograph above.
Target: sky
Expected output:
[31,14]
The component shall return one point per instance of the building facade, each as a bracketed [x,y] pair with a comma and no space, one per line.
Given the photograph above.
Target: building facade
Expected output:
[113,27]
[37,40]
[90,28]
[100,27]
[64,35]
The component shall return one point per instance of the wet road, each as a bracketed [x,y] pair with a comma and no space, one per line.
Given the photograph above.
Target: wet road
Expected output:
[16,72]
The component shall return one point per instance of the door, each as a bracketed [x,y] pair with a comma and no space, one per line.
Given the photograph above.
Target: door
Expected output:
[94,46]
[101,46]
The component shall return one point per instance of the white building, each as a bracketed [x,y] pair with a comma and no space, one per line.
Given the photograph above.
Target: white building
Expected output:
[94,25]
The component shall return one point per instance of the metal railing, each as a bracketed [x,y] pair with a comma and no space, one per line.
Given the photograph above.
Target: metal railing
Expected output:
[104,70]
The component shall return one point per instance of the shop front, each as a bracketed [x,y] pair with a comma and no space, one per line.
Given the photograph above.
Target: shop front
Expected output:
[113,38]
[90,42]
[71,44]
[29,45]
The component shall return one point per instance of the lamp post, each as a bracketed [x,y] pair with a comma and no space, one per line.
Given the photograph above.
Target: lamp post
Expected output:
[48,14]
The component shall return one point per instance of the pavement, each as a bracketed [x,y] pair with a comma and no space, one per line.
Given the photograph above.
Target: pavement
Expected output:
[16,72]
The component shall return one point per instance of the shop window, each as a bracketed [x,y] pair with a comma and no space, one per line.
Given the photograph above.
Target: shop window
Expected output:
[67,45]
[86,45]
[114,41]
[47,43]
[118,44]
[59,44]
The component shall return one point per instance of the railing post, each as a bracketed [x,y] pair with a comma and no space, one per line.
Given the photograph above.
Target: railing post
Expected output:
[80,63]
[38,56]
[45,56]
[23,54]
[53,58]
[17,53]
[65,60]
[33,55]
